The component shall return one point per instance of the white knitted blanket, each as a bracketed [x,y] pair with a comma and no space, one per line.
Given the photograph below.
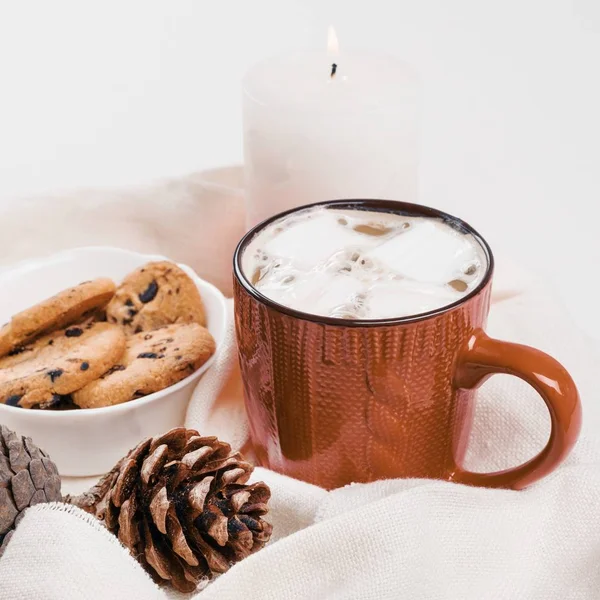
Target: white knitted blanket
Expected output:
[413,539]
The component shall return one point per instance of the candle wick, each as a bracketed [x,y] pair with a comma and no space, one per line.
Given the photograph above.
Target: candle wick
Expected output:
[333,70]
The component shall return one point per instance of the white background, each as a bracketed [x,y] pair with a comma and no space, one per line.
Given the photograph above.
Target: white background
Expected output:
[119,92]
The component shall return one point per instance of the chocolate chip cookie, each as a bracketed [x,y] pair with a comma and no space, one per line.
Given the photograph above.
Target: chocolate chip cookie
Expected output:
[153,296]
[152,361]
[57,364]
[54,313]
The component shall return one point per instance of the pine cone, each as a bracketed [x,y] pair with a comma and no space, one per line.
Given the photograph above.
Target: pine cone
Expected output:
[179,503]
[27,477]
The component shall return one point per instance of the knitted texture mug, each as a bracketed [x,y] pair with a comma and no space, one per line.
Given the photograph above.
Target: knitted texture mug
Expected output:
[333,401]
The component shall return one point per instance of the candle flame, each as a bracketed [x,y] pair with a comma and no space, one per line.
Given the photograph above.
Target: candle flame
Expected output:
[333,46]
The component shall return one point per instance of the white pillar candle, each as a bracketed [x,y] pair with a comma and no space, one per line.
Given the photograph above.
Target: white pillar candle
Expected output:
[314,131]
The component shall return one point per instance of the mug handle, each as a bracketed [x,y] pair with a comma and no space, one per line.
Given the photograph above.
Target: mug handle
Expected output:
[484,356]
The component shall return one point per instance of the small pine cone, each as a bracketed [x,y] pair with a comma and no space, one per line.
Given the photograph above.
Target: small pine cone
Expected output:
[27,477]
[180,504]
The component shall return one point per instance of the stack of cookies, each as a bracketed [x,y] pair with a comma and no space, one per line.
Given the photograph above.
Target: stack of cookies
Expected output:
[97,345]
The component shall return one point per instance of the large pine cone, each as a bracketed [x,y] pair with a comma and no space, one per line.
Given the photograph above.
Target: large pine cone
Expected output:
[179,503]
[27,477]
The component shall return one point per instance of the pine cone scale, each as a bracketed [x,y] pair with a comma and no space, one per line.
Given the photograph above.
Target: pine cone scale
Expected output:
[159,507]
[175,440]
[38,473]
[235,475]
[175,473]
[195,456]
[23,489]
[217,563]
[111,514]
[17,455]
[239,499]
[8,511]
[154,463]
[208,445]
[258,509]
[52,487]
[184,577]
[34,451]
[155,559]
[240,536]
[125,482]
[39,497]
[197,494]
[128,529]
[5,472]
[217,529]
[178,541]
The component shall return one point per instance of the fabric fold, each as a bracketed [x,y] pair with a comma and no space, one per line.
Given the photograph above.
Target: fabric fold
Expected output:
[59,552]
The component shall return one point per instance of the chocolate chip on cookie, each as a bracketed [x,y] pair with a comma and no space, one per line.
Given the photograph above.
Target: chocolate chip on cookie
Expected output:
[57,402]
[149,293]
[73,332]
[13,400]
[54,313]
[153,296]
[57,365]
[152,362]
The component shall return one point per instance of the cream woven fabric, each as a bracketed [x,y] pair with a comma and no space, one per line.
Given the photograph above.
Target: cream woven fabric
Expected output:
[413,539]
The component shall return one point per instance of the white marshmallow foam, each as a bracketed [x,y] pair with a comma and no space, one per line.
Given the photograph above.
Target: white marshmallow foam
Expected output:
[356,264]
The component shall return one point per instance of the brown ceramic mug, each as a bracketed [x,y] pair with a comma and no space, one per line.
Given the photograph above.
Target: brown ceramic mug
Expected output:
[333,401]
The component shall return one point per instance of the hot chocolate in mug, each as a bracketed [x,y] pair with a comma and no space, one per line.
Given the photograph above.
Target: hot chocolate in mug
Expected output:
[349,393]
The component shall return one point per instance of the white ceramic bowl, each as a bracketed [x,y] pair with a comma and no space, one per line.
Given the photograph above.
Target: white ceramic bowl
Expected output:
[90,442]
